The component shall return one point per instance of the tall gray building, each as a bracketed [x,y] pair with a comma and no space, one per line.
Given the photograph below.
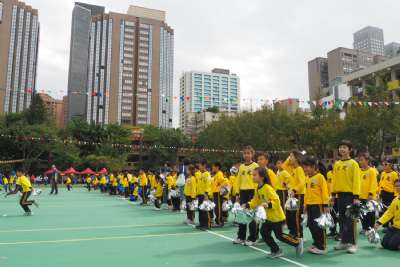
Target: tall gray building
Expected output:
[392,50]
[78,59]
[318,79]
[369,40]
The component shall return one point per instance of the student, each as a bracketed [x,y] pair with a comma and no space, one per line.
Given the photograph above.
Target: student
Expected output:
[143,181]
[233,182]
[103,182]
[334,207]
[369,188]
[346,187]
[391,239]
[282,181]
[296,189]
[175,200]
[203,191]
[24,186]
[246,193]
[114,184]
[316,200]
[386,184]
[190,193]
[88,183]
[266,196]
[158,184]
[5,184]
[68,183]
[217,182]
[262,161]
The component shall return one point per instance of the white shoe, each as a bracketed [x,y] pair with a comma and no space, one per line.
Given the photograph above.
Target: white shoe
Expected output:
[249,243]
[300,248]
[238,241]
[352,249]
[341,246]
[157,208]
[317,251]
[276,254]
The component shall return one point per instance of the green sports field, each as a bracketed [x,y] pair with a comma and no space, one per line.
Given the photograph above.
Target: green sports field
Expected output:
[78,228]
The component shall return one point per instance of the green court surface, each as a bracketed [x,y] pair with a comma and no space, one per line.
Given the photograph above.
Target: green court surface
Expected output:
[79,228]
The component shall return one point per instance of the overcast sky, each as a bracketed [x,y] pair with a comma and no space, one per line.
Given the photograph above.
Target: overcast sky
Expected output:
[267,43]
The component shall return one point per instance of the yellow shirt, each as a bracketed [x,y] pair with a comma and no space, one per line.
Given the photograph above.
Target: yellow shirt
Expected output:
[217,182]
[316,190]
[143,181]
[171,182]
[245,176]
[203,183]
[386,182]
[272,178]
[393,212]
[88,180]
[297,180]
[282,180]
[11,179]
[369,184]
[5,180]
[346,177]
[125,182]
[103,180]
[24,182]
[113,180]
[152,180]
[234,185]
[329,180]
[266,194]
[159,189]
[68,181]
[190,187]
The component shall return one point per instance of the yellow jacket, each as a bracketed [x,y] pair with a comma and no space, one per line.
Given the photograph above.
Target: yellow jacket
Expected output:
[386,182]
[282,180]
[190,187]
[266,194]
[203,183]
[297,180]
[346,177]
[369,184]
[245,176]
[316,191]
[234,185]
[143,181]
[393,212]
[217,182]
[25,183]
[159,189]
[171,182]
[329,180]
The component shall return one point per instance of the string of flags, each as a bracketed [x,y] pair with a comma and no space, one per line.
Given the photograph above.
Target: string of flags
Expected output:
[11,161]
[134,147]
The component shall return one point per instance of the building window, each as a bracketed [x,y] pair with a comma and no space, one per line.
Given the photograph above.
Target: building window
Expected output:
[1,11]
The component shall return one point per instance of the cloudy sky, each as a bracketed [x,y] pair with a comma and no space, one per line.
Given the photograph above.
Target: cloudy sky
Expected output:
[267,43]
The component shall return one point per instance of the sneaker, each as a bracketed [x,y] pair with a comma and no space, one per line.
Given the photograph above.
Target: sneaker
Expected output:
[36,204]
[188,221]
[341,246]
[274,255]
[214,225]
[352,249]
[238,241]
[300,248]
[317,251]
[310,248]
[157,208]
[249,243]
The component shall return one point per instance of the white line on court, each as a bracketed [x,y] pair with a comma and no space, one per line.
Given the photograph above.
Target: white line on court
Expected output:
[256,248]
[88,227]
[96,239]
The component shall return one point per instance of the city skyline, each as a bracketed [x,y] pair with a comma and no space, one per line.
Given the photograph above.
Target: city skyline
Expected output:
[281,42]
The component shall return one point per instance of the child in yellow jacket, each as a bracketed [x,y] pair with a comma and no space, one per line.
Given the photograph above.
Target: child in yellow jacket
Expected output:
[190,194]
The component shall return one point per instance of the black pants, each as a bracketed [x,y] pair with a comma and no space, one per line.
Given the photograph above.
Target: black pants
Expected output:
[266,232]
[391,239]
[113,190]
[189,213]
[24,202]
[347,225]
[218,208]
[368,220]
[144,194]
[157,202]
[245,197]
[293,219]
[176,203]
[69,187]
[318,234]
[282,196]
[387,199]
[204,216]
[54,187]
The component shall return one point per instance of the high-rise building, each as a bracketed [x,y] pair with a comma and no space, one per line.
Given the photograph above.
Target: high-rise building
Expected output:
[78,59]
[392,50]
[290,105]
[55,108]
[130,68]
[19,39]
[342,61]
[202,90]
[370,40]
[318,79]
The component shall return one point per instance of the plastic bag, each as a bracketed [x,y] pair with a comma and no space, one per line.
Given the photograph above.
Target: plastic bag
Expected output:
[373,236]
[227,205]
[207,205]
[260,215]
[325,221]
[292,204]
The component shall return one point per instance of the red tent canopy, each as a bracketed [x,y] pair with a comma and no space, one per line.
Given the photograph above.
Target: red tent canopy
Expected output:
[87,171]
[103,171]
[49,171]
[70,171]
